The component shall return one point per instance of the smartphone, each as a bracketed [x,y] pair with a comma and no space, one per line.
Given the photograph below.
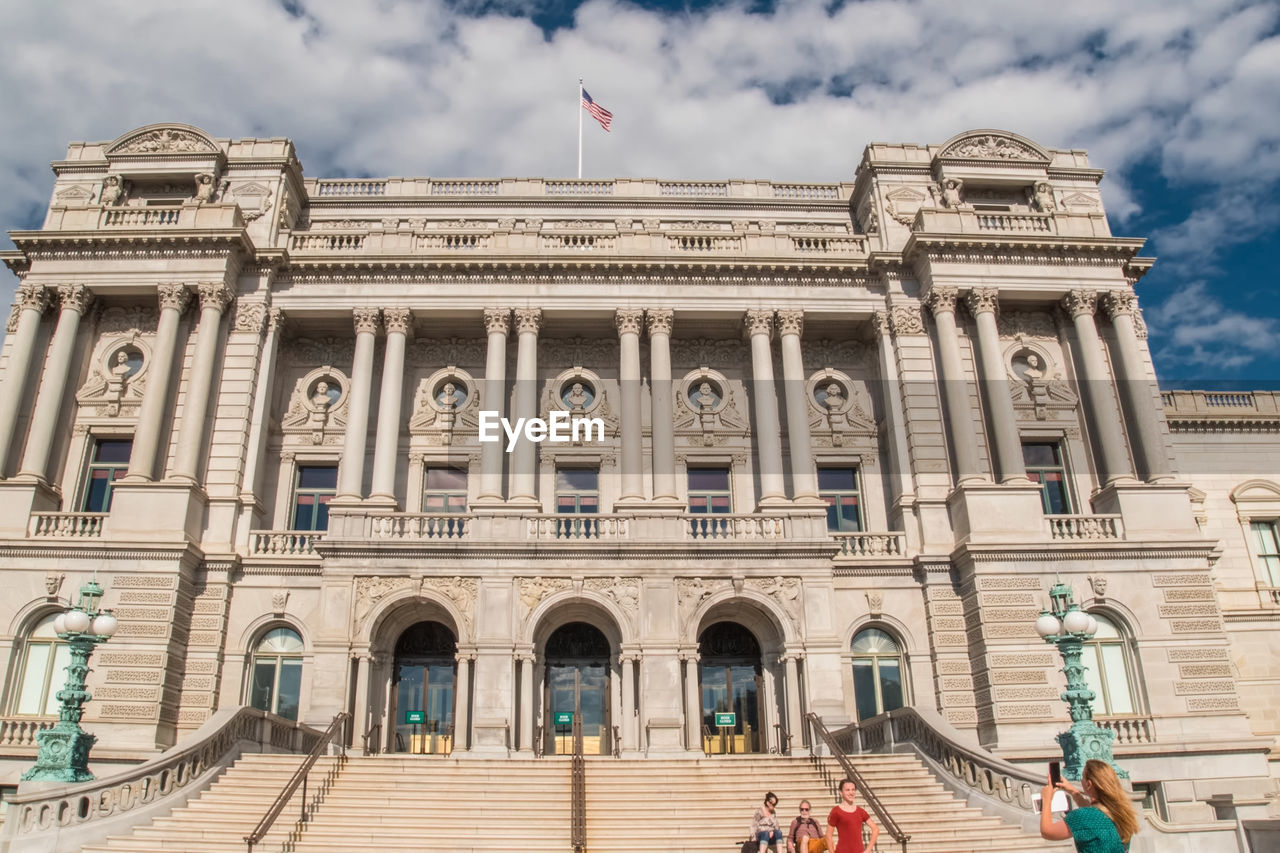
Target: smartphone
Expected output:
[1055,772]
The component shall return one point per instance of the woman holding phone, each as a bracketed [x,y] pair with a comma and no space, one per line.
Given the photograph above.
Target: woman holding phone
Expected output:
[1105,821]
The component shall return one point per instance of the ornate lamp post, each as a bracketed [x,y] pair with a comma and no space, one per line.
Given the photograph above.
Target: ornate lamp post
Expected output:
[63,754]
[1067,627]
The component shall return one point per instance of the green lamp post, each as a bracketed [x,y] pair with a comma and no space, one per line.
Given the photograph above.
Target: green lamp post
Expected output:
[63,751]
[1067,627]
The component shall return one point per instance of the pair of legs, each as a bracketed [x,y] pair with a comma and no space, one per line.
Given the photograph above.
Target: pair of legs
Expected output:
[767,837]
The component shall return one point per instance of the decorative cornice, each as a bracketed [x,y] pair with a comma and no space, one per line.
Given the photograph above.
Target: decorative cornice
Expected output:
[174,296]
[1080,301]
[660,321]
[906,320]
[790,322]
[982,300]
[941,298]
[397,320]
[215,295]
[366,320]
[251,316]
[1117,302]
[497,320]
[628,321]
[528,320]
[758,322]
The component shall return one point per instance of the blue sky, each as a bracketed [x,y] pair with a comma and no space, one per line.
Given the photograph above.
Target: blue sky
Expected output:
[1179,101]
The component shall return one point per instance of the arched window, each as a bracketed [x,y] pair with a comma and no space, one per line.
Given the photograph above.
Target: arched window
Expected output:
[877,673]
[277,673]
[42,672]
[1107,670]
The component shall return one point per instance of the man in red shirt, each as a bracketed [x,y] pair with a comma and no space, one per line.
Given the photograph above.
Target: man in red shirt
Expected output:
[846,820]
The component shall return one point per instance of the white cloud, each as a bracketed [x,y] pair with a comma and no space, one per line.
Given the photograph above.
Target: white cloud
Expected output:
[1195,329]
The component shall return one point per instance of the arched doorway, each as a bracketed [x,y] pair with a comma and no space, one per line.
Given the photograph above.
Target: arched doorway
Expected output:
[422,689]
[577,684]
[731,678]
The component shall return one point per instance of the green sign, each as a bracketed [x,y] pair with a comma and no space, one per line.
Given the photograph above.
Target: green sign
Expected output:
[414,717]
[564,718]
[726,720]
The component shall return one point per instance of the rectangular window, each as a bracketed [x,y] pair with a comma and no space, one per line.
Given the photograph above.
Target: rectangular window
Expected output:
[445,489]
[315,487]
[577,491]
[839,488]
[1043,460]
[1268,545]
[709,491]
[108,463]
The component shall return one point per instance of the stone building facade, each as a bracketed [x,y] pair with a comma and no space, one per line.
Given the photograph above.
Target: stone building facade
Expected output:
[842,439]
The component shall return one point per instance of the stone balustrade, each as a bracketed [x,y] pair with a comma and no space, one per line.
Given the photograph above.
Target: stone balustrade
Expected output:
[574,527]
[1129,729]
[186,216]
[1084,528]
[67,525]
[966,220]
[419,527]
[738,527]
[342,188]
[21,731]
[283,543]
[864,545]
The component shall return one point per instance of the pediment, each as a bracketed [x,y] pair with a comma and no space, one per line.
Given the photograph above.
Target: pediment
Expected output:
[250,190]
[1080,200]
[1252,491]
[993,145]
[75,195]
[164,139]
[905,195]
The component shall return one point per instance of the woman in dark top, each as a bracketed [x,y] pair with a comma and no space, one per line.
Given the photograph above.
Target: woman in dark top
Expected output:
[1105,821]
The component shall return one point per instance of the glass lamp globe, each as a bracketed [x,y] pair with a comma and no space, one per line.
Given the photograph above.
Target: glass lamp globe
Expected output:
[60,623]
[1076,622]
[1047,625]
[77,621]
[105,624]
[1093,627]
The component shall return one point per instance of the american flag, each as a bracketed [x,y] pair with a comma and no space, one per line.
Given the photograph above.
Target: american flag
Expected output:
[598,112]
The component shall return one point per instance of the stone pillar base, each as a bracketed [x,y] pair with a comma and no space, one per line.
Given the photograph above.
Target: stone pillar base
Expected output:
[19,498]
[665,737]
[989,512]
[157,512]
[489,738]
[1156,510]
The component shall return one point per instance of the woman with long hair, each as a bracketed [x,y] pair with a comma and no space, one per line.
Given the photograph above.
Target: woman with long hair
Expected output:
[1105,821]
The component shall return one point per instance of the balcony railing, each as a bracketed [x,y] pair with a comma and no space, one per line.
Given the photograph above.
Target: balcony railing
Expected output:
[1129,729]
[283,543]
[871,544]
[418,527]
[67,525]
[1084,528]
[737,527]
[22,731]
[573,527]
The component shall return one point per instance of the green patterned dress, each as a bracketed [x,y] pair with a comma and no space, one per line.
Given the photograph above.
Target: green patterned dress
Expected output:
[1093,831]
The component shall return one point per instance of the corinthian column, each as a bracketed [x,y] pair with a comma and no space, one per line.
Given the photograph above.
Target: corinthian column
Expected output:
[983,302]
[497,323]
[960,423]
[1121,305]
[1113,458]
[525,458]
[214,298]
[768,441]
[351,468]
[804,477]
[146,438]
[75,299]
[397,322]
[628,323]
[663,438]
[32,300]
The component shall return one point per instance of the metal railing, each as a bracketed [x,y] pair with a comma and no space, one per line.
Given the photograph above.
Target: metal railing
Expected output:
[578,804]
[820,733]
[300,778]
[373,740]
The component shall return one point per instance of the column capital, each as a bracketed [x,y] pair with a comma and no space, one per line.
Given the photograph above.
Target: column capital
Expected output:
[174,295]
[982,300]
[790,322]
[1080,301]
[74,297]
[758,322]
[497,320]
[1117,302]
[397,320]
[528,320]
[941,298]
[33,297]
[659,321]
[880,322]
[628,321]
[276,319]
[366,320]
[214,294]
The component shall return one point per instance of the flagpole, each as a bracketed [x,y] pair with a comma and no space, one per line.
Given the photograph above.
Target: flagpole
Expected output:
[579,128]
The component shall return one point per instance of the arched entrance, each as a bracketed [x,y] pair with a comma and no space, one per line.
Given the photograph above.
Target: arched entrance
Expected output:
[732,686]
[422,689]
[577,684]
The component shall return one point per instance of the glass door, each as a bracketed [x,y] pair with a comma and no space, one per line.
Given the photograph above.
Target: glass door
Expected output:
[731,687]
[577,688]
[423,690]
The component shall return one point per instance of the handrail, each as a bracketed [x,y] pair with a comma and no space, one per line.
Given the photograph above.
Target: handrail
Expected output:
[578,778]
[890,825]
[373,736]
[299,778]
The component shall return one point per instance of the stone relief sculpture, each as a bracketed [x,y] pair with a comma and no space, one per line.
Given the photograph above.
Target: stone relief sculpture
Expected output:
[951,188]
[444,401]
[624,591]
[991,147]
[116,381]
[706,409]
[784,591]
[112,191]
[839,412]
[253,199]
[1042,197]
[317,407]
[534,590]
[691,592]
[1036,385]
[164,139]
[204,188]
[371,590]
[459,590]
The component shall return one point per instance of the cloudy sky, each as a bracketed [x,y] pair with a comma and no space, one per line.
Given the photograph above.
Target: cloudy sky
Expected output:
[1179,101]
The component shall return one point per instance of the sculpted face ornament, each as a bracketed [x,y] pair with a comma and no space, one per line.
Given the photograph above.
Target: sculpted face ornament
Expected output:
[321,398]
[834,399]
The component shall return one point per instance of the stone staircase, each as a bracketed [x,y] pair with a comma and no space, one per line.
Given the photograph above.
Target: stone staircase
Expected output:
[394,803]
